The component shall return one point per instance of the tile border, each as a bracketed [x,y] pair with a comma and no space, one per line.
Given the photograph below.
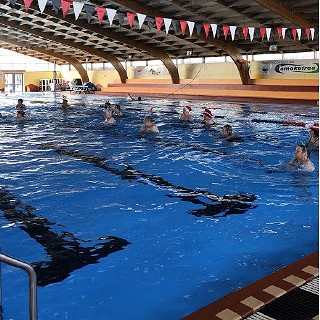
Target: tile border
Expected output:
[243,302]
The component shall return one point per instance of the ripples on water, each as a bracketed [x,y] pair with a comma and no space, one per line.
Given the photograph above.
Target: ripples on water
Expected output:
[154,195]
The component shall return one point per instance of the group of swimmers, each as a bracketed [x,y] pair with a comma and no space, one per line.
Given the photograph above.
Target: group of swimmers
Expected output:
[301,159]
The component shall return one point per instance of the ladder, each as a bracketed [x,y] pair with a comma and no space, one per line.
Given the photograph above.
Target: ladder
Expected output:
[32,282]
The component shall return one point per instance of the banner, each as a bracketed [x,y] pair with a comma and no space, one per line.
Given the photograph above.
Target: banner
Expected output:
[289,66]
[150,71]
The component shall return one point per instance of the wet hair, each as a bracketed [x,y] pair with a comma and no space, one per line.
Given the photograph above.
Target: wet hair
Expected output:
[315,132]
[305,149]
[20,100]
[148,118]
[228,128]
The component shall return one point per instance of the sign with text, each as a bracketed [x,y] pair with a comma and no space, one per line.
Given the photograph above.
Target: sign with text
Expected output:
[290,66]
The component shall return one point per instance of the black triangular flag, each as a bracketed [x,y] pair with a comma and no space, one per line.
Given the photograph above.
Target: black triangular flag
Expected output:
[150,21]
[89,12]
[56,5]
[13,2]
[199,28]
[121,16]
[175,25]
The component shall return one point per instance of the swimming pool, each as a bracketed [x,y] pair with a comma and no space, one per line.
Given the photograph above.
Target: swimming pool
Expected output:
[121,224]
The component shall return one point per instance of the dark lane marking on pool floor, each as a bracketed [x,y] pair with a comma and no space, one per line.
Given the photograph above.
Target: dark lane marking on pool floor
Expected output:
[229,204]
[66,252]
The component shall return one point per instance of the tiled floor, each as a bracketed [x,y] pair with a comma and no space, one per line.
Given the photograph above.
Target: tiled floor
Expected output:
[290,293]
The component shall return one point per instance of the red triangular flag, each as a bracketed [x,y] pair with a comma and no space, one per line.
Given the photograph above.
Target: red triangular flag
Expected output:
[27,4]
[308,33]
[262,32]
[206,27]
[279,30]
[100,12]
[225,31]
[294,33]
[130,16]
[183,26]
[159,22]
[245,32]
[65,4]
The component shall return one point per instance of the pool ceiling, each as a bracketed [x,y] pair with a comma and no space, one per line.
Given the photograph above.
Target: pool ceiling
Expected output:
[115,31]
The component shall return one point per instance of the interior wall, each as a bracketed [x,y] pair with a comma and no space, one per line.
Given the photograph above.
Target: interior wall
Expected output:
[198,72]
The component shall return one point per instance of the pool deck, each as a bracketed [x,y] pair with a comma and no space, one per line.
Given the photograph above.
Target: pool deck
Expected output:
[289,293]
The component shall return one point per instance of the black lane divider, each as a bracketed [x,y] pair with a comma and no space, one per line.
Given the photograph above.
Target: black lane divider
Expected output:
[67,253]
[229,204]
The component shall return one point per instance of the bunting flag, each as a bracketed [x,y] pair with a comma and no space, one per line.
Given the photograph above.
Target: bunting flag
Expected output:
[206,27]
[111,13]
[284,32]
[150,22]
[183,26]
[279,30]
[167,24]
[130,16]
[159,22]
[56,5]
[42,5]
[27,4]
[307,33]
[251,32]
[233,31]
[245,32]
[214,29]
[179,26]
[121,16]
[191,27]
[299,34]
[100,12]
[225,29]
[294,33]
[268,31]
[65,4]
[89,12]
[262,32]
[141,18]
[312,33]
[198,28]
[77,7]
[175,26]
[13,2]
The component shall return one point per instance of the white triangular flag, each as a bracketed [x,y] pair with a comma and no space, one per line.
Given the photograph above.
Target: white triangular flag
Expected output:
[251,32]
[167,23]
[141,18]
[299,33]
[42,5]
[268,32]
[191,27]
[284,32]
[77,7]
[233,31]
[214,29]
[111,14]
[312,33]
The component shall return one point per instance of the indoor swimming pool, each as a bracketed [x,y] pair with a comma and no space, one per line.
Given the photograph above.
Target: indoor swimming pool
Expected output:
[122,224]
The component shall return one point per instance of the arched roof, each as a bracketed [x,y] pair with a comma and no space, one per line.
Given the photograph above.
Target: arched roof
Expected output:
[55,35]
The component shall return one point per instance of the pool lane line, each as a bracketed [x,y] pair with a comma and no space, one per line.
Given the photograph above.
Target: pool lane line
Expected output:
[64,249]
[229,204]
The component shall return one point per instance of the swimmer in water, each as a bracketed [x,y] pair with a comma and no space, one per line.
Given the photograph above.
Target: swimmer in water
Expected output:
[301,159]
[207,117]
[149,125]
[20,109]
[186,114]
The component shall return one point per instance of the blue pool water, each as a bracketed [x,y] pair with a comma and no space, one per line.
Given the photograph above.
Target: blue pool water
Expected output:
[121,224]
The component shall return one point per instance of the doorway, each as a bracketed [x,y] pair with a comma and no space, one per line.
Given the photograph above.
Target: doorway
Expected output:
[13,82]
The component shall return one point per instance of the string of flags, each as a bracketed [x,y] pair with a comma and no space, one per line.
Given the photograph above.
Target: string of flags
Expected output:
[179,26]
